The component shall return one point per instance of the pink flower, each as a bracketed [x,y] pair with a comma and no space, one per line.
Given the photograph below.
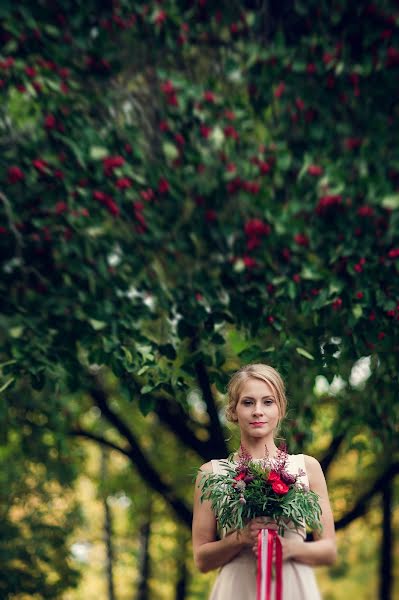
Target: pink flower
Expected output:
[15,174]
[394,253]
[160,17]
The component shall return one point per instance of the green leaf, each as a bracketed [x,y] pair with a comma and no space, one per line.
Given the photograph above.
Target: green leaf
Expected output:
[304,353]
[391,201]
[98,152]
[97,325]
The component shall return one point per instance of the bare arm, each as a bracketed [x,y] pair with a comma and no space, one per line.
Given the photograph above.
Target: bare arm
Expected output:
[208,553]
[323,550]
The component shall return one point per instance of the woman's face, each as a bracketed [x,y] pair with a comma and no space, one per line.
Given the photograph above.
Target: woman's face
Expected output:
[257,410]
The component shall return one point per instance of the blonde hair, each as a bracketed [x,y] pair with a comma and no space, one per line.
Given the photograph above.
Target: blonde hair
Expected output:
[255,371]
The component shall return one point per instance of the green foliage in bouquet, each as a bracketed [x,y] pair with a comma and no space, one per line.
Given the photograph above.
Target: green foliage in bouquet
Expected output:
[249,489]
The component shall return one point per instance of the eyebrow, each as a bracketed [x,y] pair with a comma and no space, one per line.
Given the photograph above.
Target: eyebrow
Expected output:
[252,398]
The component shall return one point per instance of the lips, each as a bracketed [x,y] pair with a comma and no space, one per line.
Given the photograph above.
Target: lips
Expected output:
[258,423]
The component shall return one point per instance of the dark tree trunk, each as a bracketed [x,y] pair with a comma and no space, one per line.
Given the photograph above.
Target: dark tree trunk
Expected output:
[386,563]
[143,592]
[181,564]
[107,530]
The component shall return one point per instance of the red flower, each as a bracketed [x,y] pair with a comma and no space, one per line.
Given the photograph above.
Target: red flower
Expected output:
[365,211]
[278,92]
[249,262]
[273,476]
[107,201]
[180,139]
[205,131]
[301,239]
[167,87]
[210,215]
[147,194]
[241,476]
[394,253]
[31,72]
[112,162]
[209,96]
[359,295]
[164,126]
[315,170]
[230,115]
[299,103]
[40,164]
[229,131]
[15,174]
[163,186]
[279,487]
[337,304]
[310,68]
[60,207]
[160,17]
[256,228]
[352,143]
[328,202]
[264,167]
[123,183]
[50,122]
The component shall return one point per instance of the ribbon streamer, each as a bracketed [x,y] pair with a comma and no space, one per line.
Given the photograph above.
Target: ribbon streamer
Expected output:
[269,544]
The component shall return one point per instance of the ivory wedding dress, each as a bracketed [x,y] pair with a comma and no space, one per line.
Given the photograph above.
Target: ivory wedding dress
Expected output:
[236,580]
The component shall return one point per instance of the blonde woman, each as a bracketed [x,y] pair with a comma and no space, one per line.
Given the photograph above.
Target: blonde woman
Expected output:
[257,404]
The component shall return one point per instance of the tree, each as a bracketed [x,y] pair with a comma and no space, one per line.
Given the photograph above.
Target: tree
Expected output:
[187,187]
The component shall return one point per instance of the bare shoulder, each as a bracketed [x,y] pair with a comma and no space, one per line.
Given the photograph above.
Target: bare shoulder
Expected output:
[207,467]
[315,473]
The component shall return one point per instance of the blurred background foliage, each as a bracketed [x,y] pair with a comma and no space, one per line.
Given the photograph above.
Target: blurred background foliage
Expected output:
[187,187]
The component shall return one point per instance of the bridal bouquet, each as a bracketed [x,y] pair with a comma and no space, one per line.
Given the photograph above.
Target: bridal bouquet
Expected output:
[264,488]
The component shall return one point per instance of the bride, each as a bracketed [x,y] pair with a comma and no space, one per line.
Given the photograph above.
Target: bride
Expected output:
[257,404]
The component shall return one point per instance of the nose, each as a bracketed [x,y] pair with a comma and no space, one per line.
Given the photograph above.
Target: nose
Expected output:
[258,409]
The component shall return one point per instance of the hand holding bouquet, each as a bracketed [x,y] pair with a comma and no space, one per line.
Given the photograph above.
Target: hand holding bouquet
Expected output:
[265,488]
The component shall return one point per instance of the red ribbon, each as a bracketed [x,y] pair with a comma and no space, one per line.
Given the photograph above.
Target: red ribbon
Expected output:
[269,544]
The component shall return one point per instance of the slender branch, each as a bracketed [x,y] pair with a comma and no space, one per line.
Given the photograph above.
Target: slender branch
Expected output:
[79,432]
[362,505]
[332,452]
[138,458]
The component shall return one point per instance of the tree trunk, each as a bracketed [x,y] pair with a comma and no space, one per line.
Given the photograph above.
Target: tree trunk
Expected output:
[107,530]
[143,592]
[386,544]
[181,564]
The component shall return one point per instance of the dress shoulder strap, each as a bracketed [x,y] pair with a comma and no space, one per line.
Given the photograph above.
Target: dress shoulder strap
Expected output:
[215,466]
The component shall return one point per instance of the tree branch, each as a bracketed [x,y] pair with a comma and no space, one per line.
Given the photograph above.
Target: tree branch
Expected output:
[218,444]
[79,432]
[175,418]
[138,458]
[361,505]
